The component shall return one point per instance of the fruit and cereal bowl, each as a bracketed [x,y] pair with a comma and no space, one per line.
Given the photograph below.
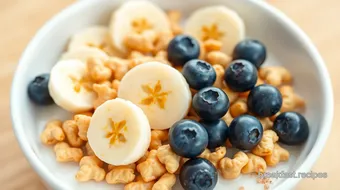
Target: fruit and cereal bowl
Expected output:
[160,95]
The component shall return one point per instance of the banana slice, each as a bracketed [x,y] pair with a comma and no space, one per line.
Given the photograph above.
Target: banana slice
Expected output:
[218,23]
[94,36]
[84,53]
[69,86]
[119,132]
[136,17]
[160,90]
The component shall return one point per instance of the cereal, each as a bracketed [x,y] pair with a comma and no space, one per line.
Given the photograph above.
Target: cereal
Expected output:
[71,131]
[115,84]
[166,182]
[212,45]
[231,168]
[162,41]
[214,157]
[239,107]
[120,174]
[266,123]
[231,94]
[151,168]
[118,66]
[275,75]
[167,157]
[256,164]
[104,93]
[219,76]
[228,118]
[175,17]
[97,70]
[90,169]
[83,123]
[53,133]
[279,154]
[157,137]
[89,151]
[290,100]
[218,57]
[143,158]
[65,153]
[141,42]
[140,184]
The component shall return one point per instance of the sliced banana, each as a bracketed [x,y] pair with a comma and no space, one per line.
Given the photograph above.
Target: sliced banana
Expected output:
[160,90]
[136,17]
[119,132]
[94,36]
[84,53]
[219,23]
[69,86]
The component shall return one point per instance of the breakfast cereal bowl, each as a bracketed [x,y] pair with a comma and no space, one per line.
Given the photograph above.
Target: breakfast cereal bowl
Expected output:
[287,45]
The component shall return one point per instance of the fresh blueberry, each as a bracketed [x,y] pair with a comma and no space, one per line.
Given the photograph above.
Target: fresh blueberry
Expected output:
[38,90]
[188,138]
[241,75]
[199,74]
[210,103]
[182,49]
[264,100]
[245,132]
[218,132]
[250,50]
[198,174]
[292,128]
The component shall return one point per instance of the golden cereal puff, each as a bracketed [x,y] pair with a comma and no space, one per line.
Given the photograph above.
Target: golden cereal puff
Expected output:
[119,132]
[136,17]
[216,23]
[84,54]
[160,90]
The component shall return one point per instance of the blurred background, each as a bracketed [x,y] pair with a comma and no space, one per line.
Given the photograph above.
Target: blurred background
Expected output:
[20,20]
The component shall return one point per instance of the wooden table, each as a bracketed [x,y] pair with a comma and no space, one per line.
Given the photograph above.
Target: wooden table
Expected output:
[20,19]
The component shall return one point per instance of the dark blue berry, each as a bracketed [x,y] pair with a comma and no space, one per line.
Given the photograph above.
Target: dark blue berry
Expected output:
[250,50]
[210,103]
[182,49]
[292,128]
[38,90]
[264,100]
[245,132]
[199,74]
[188,138]
[241,75]
[218,132]
[198,174]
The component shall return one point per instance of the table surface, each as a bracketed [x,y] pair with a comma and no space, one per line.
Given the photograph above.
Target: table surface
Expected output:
[20,19]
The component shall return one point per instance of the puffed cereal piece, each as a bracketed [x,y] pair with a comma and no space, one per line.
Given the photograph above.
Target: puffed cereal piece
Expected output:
[152,168]
[120,174]
[290,100]
[266,145]
[88,113]
[214,157]
[256,164]
[218,57]
[275,75]
[71,131]
[166,182]
[89,150]
[65,153]
[104,93]
[212,45]
[83,123]
[202,51]
[140,184]
[143,42]
[139,60]
[219,76]
[162,56]
[266,123]
[228,118]
[143,158]
[115,84]
[167,157]
[90,169]
[239,107]
[118,66]
[174,18]
[162,41]
[97,70]
[157,137]
[279,154]
[53,133]
[231,94]
[231,168]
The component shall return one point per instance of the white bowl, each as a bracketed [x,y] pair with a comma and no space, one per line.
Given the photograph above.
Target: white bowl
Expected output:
[286,43]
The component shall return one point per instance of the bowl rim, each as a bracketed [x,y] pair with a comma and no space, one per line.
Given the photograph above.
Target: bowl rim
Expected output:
[45,174]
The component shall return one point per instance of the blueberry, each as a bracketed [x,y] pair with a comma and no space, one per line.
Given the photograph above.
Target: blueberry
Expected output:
[218,132]
[210,103]
[182,49]
[245,132]
[198,174]
[38,90]
[264,100]
[292,128]
[199,74]
[250,50]
[188,138]
[241,76]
